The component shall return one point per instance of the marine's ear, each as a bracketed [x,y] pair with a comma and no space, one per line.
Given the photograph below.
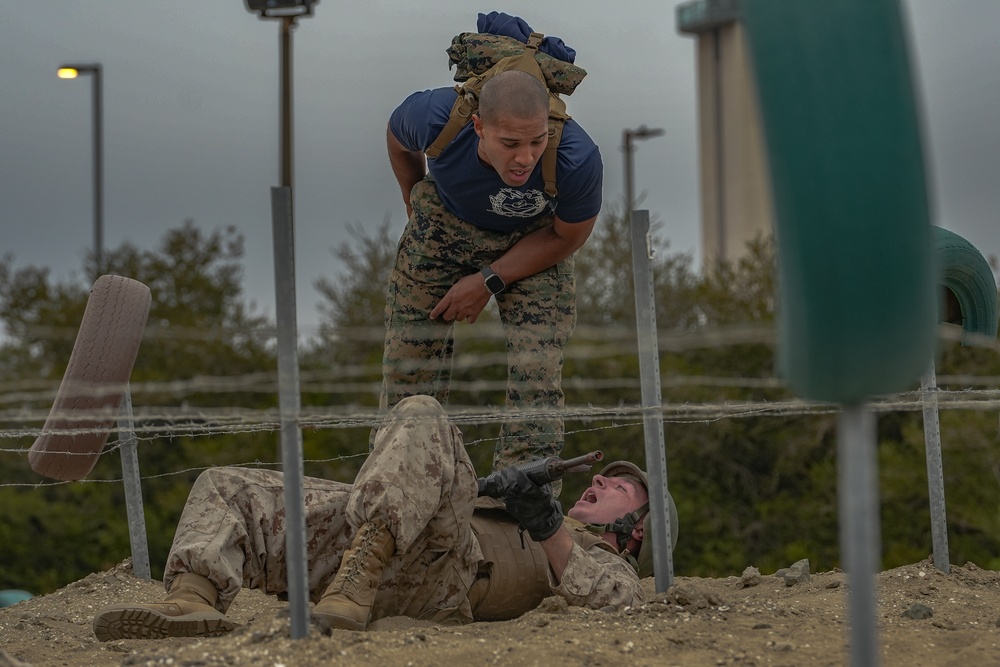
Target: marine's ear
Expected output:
[639,531]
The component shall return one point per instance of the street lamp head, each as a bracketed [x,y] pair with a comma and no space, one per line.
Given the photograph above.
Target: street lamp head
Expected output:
[644,132]
[73,71]
[274,9]
[641,132]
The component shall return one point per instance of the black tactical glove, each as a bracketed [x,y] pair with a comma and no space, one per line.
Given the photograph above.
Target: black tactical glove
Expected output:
[532,505]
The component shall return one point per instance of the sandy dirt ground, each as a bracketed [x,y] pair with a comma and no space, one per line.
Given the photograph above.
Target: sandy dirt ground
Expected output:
[924,618]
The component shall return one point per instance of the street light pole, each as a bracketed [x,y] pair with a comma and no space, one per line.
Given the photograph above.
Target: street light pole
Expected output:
[649,372]
[287,23]
[71,72]
[628,137]
[289,398]
[627,150]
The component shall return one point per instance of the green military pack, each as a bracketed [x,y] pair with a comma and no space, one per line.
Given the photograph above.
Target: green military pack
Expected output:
[477,57]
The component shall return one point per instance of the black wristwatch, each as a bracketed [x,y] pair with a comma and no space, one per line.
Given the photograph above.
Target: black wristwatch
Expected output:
[493,282]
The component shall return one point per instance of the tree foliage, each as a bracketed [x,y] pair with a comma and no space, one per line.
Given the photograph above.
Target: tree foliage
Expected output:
[351,312]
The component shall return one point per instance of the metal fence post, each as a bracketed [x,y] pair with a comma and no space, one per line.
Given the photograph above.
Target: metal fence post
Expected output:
[935,470]
[133,488]
[652,404]
[289,402]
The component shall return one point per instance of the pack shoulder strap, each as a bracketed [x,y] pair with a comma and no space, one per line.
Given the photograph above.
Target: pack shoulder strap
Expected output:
[467,103]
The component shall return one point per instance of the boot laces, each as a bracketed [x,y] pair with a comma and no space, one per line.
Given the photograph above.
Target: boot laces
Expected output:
[356,560]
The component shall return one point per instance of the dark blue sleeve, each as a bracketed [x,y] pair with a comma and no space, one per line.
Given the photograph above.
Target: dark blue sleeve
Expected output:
[418,121]
[580,192]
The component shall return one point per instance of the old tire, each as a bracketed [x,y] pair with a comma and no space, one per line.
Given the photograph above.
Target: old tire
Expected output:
[970,291]
[92,388]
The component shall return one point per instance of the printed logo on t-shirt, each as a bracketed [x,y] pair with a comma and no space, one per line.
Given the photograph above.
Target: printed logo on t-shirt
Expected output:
[516,204]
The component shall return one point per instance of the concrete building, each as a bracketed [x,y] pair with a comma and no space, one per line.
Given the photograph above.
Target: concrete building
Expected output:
[735,194]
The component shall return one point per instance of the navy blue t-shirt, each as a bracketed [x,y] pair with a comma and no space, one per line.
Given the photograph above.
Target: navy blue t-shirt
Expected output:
[475,192]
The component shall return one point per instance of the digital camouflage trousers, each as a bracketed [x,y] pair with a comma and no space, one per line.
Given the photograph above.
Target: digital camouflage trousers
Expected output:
[418,479]
[538,314]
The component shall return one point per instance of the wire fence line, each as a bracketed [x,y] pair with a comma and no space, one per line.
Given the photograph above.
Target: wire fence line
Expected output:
[609,345]
[486,329]
[329,383]
[584,348]
[21,393]
[670,340]
[153,423]
[275,465]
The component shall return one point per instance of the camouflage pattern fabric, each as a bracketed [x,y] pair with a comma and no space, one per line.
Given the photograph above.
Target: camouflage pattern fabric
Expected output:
[538,315]
[419,479]
[596,576]
[474,53]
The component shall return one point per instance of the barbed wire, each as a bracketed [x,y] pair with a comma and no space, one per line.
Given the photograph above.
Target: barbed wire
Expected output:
[154,422]
[485,329]
[344,379]
[684,414]
[276,465]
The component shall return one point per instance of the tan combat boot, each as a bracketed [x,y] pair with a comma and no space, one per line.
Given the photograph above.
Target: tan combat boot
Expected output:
[347,602]
[188,611]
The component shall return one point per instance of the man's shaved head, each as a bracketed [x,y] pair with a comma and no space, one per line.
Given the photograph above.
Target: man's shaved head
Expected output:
[513,93]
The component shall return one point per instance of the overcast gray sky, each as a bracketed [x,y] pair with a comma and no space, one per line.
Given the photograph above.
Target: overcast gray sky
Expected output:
[191,117]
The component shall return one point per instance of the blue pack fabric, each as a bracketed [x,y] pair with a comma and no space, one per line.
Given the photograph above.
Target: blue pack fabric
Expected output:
[498,23]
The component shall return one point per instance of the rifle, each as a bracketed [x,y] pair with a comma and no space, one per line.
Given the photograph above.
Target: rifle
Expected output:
[541,472]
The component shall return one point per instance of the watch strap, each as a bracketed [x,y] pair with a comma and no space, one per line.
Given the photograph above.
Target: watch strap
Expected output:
[494,283]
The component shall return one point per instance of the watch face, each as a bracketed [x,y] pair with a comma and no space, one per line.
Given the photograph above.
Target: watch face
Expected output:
[495,284]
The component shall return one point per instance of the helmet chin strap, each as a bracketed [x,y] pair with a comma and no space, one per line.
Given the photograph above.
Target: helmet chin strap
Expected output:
[621,527]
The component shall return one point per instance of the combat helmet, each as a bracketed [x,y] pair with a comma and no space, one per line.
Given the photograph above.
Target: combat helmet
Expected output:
[623,526]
